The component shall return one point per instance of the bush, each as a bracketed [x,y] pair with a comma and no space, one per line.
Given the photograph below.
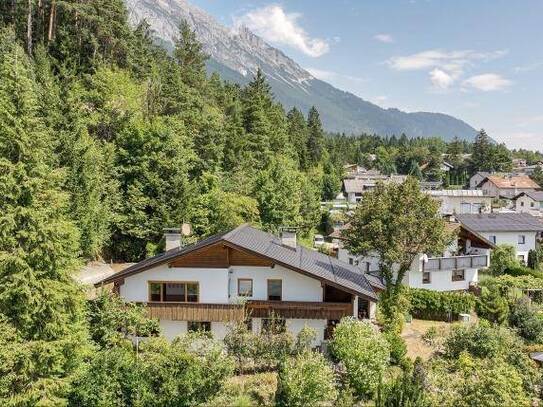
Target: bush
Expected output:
[398,348]
[503,257]
[528,323]
[250,390]
[363,351]
[306,380]
[406,390]
[439,305]
[430,335]
[492,305]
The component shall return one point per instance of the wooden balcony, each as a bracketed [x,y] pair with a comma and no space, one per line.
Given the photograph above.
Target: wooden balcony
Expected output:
[299,309]
[196,311]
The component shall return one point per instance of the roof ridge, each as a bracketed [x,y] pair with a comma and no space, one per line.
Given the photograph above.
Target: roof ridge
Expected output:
[236,230]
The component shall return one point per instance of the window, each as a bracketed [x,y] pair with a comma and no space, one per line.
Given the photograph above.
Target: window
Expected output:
[173,291]
[351,261]
[273,325]
[465,208]
[492,239]
[197,326]
[521,239]
[532,204]
[245,287]
[458,275]
[520,258]
[521,203]
[426,277]
[275,290]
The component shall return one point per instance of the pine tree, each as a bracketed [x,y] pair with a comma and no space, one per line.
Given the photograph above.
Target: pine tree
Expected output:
[482,157]
[315,140]
[414,170]
[39,301]
[189,55]
[298,135]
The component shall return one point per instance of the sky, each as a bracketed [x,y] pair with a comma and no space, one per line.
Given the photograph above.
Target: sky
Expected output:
[478,60]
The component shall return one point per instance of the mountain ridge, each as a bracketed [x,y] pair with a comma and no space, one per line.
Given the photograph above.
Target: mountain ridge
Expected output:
[236,54]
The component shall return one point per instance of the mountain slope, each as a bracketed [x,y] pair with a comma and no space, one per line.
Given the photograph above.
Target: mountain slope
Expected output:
[236,55]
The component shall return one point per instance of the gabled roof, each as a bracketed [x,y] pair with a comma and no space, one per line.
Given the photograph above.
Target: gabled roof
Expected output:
[252,240]
[511,182]
[501,222]
[535,195]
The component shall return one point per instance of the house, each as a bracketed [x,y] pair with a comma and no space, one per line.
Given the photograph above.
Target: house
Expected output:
[477,178]
[461,201]
[529,202]
[355,186]
[521,230]
[457,268]
[247,275]
[507,186]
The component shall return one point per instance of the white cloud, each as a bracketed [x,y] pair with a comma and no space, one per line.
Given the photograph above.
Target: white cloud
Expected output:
[487,82]
[444,67]
[441,79]
[274,25]
[386,38]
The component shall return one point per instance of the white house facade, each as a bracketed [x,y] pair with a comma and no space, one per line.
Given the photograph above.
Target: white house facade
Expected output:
[520,230]
[246,275]
[530,202]
[456,269]
[454,201]
[507,186]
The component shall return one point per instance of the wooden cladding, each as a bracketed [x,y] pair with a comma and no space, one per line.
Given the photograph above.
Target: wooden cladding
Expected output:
[219,256]
[299,310]
[255,309]
[196,312]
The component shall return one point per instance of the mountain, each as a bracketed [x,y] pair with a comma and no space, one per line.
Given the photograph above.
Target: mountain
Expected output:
[237,53]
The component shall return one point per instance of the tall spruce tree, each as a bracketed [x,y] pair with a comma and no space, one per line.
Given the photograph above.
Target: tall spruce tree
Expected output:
[315,139]
[483,151]
[41,307]
[298,134]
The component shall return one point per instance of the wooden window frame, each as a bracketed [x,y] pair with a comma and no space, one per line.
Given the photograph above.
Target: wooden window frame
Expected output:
[149,283]
[458,279]
[268,288]
[252,286]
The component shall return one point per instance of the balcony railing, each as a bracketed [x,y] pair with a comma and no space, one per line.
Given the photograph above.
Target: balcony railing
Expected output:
[196,311]
[299,309]
[456,263]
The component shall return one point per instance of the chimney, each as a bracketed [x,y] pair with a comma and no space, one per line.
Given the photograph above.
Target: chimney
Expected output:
[288,237]
[172,236]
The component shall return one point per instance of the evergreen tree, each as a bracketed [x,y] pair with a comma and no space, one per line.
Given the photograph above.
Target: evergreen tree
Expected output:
[483,151]
[537,175]
[315,139]
[189,55]
[40,303]
[415,171]
[298,136]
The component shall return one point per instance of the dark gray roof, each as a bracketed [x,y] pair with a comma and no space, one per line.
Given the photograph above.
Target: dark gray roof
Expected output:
[501,222]
[300,259]
[535,195]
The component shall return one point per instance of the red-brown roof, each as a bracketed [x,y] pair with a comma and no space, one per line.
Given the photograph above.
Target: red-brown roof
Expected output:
[518,181]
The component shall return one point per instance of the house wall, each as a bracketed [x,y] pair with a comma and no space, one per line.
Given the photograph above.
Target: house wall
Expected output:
[490,189]
[453,204]
[475,180]
[213,283]
[511,238]
[525,204]
[296,286]
[441,280]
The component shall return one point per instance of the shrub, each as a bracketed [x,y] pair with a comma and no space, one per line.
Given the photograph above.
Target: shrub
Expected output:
[439,305]
[364,352]
[398,348]
[492,305]
[305,380]
[527,322]
[502,258]
[406,390]
[251,390]
[430,335]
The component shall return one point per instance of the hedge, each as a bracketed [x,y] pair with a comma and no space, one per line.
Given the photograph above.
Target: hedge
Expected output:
[439,305]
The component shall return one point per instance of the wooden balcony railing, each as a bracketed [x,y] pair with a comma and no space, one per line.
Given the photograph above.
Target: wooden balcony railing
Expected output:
[299,309]
[196,311]
[456,263]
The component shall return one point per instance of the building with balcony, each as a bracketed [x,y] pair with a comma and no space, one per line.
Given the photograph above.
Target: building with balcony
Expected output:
[456,269]
[246,275]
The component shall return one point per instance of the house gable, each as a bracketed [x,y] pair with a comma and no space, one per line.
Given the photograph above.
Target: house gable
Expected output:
[218,255]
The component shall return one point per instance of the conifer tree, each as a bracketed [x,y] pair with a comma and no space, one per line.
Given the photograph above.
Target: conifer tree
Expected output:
[298,135]
[482,157]
[315,140]
[190,57]
[40,303]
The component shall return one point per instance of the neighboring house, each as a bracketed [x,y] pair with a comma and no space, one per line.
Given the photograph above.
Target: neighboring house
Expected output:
[477,178]
[247,272]
[521,230]
[355,186]
[457,268]
[462,201]
[529,202]
[507,186]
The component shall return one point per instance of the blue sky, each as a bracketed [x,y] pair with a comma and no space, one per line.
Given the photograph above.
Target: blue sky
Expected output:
[481,61]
